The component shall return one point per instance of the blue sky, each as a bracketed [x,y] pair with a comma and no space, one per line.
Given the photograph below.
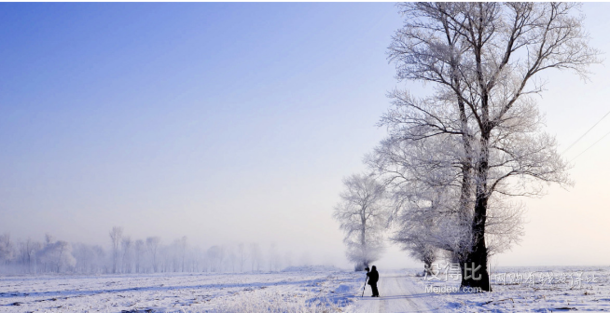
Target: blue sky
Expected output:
[227,122]
[168,118]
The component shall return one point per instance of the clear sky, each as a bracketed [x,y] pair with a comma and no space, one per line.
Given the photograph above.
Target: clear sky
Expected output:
[236,122]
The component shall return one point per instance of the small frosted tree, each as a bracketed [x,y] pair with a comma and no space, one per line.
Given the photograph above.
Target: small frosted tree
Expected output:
[115,238]
[28,250]
[57,255]
[215,256]
[255,257]
[139,249]
[241,255]
[183,248]
[85,257]
[6,249]
[363,216]
[152,245]
[126,251]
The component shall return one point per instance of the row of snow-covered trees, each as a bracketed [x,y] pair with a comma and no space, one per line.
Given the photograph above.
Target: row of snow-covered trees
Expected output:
[129,256]
[33,256]
[445,180]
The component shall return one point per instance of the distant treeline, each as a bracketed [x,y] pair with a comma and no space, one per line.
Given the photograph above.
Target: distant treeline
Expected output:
[128,256]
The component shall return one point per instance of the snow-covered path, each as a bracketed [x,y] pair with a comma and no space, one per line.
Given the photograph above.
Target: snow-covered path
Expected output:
[398,293]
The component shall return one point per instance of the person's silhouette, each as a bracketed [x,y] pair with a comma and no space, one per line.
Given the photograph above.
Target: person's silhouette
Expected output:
[373,276]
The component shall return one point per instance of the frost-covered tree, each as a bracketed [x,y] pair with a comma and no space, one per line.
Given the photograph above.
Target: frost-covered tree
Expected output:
[139,256]
[28,250]
[483,60]
[90,259]
[272,257]
[241,256]
[183,247]
[57,255]
[215,256]
[255,257]
[139,249]
[423,180]
[6,249]
[233,258]
[152,246]
[363,216]
[175,255]
[126,254]
[115,238]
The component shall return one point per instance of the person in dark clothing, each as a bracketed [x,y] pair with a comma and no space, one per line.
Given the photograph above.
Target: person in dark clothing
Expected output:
[373,277]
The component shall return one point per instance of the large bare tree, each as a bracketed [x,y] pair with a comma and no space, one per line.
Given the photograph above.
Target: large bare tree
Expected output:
[484,61]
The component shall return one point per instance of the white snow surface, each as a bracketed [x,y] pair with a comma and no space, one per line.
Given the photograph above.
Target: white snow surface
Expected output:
[177,292]
[320,290]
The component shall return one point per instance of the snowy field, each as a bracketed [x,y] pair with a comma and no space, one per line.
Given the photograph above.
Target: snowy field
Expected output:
[292,291]
[324,290]
[534,289]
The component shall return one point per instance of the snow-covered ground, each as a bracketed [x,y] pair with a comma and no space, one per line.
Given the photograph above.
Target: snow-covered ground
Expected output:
[322,290]
[534,289]
[308,290]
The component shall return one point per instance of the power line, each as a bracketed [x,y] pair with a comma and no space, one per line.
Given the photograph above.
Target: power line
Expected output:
[579,138]
[600,139]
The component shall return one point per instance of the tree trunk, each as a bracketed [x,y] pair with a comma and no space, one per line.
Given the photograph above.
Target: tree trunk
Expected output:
[474,269]
[428,271]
